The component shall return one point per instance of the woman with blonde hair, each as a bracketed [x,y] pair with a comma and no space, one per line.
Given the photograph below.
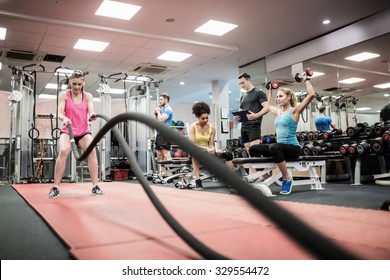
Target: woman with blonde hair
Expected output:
[286,123]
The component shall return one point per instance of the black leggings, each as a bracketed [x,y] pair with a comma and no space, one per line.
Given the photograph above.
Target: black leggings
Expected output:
[278,151]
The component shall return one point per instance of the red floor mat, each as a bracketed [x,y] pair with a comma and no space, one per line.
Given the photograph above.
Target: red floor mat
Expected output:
[123,224]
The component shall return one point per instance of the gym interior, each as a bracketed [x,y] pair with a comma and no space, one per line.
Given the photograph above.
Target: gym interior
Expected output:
[339,206]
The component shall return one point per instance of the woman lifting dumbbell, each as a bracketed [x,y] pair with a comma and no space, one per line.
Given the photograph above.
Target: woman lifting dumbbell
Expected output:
[286,122]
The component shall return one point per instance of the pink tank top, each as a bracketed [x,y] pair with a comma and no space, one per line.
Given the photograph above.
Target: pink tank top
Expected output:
[78,115]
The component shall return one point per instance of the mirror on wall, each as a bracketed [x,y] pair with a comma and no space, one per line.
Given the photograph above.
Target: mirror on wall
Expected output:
[360,88]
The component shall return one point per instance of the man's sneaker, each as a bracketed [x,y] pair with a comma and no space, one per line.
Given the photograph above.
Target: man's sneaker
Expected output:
[54,192]
[198,185]
[97,191]
[232,190]
[287,186]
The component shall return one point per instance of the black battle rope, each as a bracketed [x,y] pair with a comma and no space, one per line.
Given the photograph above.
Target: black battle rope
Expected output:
[306,236]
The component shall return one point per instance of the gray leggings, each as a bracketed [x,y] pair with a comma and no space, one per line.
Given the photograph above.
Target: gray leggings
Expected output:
[278,151]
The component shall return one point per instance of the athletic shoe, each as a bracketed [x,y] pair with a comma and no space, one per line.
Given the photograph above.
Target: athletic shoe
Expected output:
[287,186]
[198,185]
[54,192]
[232,190]
[97,191]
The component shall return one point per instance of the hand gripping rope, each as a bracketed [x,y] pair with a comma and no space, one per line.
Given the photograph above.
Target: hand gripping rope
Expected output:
[303,234]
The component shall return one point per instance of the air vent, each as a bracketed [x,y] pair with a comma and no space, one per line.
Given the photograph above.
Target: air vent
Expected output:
[20,55]
[332,89]
[54,58]
[147,68]
[14,54]
[337,89]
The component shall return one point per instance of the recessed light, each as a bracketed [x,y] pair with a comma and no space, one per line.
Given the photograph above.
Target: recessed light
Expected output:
[47,96]
[174,56]
[385,85]
[316,74]
[3,31]
[362,56]
[326,21]
[214,27]
[90,45]
[117,10]
[54,86]
[182,83]
[363,109]
[351,80]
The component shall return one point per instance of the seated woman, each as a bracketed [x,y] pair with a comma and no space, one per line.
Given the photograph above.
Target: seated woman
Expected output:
[286,122]
[202,133]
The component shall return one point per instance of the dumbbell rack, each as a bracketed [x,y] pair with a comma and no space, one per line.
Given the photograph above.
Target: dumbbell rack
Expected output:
[380,153]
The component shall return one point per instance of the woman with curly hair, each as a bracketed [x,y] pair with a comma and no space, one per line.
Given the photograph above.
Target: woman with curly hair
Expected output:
[202,133]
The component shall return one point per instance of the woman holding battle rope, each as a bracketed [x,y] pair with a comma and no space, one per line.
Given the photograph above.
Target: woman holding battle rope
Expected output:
[75,107]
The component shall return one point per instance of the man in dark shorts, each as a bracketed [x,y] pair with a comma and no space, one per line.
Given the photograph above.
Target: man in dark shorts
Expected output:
[255,101]
[164,114]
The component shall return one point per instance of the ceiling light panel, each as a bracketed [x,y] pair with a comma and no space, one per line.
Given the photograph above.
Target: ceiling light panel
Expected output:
[214,27]
[385,85]
[362,56]
[3,32]
[90,45]
[174,56]
[117,10]
[351,80]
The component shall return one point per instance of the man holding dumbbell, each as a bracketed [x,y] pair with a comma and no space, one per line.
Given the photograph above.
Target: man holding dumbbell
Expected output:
[255,101]
[323,122]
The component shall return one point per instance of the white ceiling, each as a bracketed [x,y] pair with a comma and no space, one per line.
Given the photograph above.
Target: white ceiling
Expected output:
[264,28]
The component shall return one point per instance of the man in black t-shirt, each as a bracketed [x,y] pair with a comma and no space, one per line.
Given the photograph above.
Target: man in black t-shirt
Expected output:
[385,113]
[255,101]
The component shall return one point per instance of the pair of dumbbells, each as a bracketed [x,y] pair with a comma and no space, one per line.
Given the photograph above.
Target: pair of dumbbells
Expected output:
[240,153]
[272,85]
[330,134]
[299,77]
[354,131]
[316,148]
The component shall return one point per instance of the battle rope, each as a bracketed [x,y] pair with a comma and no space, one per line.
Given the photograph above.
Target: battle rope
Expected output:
[303,234]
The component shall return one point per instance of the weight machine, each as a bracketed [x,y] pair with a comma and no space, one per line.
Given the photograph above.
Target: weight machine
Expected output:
[21,119]
[138,99]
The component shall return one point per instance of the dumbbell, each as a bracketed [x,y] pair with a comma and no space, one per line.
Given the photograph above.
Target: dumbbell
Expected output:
[354,131]
[268,139]
[237,153]
[303,135]
[377,145]
[344,149]
[352,148]
[369,130]
[331,134]
[321,147]
[363,148]
[387,125]
[310,135]
[307,149]
[386,136]
[379,128]
[272,85]
[298,76]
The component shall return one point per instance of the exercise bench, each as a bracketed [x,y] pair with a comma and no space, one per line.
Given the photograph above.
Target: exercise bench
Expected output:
[265,165]
[177,166]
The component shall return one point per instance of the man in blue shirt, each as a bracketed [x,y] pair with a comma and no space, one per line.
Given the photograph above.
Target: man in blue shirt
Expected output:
[164,114]
[323,122]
